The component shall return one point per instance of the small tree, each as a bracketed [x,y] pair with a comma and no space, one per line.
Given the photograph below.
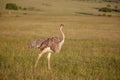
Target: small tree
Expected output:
[105,9]
[11,6]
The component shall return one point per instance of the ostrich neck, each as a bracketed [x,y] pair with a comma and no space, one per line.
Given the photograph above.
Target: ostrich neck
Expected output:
[63,39]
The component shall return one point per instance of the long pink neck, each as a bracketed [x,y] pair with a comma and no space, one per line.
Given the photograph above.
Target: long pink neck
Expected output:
[63,39]
[63,36]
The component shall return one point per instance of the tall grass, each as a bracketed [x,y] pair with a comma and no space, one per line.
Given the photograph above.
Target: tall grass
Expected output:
[91,49]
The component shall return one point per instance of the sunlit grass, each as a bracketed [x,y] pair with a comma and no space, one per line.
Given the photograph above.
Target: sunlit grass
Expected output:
[91,49]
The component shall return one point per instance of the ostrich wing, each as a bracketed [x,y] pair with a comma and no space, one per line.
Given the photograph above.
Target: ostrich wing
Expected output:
[36,43]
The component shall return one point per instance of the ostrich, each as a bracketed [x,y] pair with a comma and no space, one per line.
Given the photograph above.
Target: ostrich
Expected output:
[48,45]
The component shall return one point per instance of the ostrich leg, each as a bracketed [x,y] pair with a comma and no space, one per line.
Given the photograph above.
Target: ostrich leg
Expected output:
[39,56]
[44,51]
[49,54]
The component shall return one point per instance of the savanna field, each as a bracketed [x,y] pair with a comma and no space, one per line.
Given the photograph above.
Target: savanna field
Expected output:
[91,50]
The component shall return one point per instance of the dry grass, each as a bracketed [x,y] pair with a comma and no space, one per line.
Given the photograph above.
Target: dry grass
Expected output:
[91,49]
[63,7]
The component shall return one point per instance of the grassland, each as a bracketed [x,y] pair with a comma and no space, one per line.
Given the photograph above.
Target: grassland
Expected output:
[91,50]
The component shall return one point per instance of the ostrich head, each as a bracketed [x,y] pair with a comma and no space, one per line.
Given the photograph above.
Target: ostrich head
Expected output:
[61,26]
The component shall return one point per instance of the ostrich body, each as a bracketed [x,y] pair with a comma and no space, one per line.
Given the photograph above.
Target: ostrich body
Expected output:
[48,45]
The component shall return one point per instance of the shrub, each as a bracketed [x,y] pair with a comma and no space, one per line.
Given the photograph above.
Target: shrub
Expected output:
[24,8]
[104,14]
[109,15]
[11,6]
[25,13]
[116,7]
[116,10]
[105,9]
[108,5]
[20,7]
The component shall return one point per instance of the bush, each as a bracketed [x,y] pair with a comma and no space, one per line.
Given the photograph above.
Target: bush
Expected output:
[24,8]
[11,6]
[109,15]
[25,13]
[108,5]
[104,15]
[105,9]
[116,10]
